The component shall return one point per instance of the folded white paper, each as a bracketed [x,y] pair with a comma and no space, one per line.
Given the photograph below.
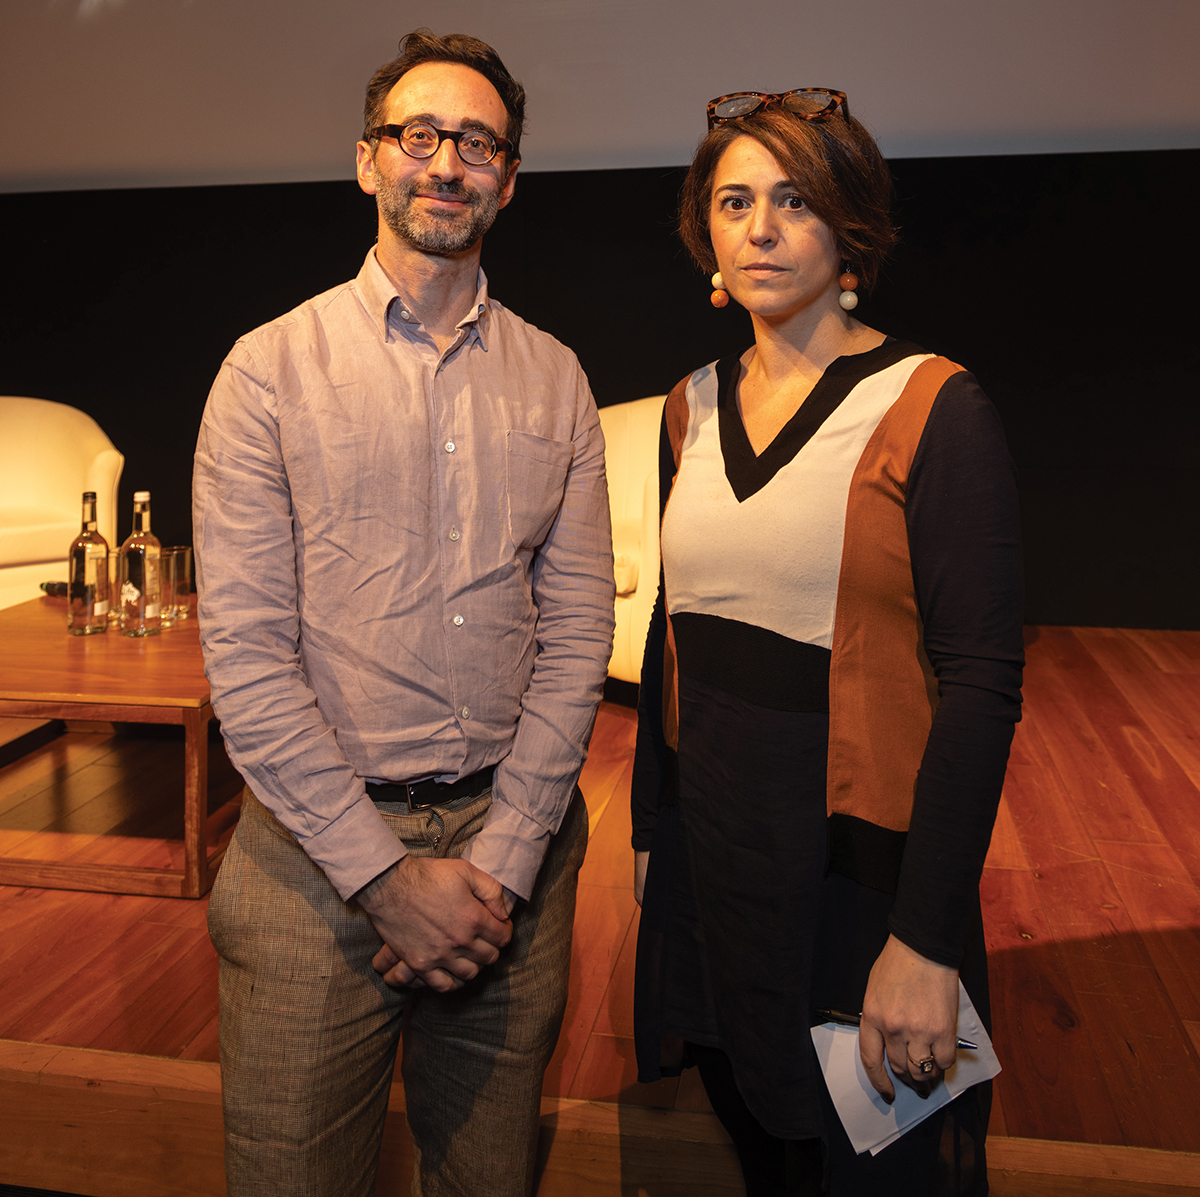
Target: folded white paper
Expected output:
[870,1122]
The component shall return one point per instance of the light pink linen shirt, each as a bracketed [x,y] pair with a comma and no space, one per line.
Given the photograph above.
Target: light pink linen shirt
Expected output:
[405,570]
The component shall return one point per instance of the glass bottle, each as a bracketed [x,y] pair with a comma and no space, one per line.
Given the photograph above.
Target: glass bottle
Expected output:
[87,576]
[138,574]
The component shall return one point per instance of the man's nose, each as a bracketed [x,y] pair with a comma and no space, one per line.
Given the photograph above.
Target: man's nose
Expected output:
[445,162]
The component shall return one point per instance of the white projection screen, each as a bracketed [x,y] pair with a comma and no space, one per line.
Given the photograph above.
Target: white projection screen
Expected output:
[145,93]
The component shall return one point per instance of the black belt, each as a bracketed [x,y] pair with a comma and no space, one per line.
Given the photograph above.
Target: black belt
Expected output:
[421,795]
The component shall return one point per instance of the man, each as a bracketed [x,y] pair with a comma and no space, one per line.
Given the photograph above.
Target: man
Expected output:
[405,574]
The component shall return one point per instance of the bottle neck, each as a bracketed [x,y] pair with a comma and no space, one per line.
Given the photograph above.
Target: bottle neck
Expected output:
[141,517]
[89,515]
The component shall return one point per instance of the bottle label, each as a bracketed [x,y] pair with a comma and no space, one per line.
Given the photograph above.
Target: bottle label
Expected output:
[101,608]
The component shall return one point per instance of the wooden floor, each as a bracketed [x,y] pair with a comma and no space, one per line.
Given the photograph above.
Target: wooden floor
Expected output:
[1092,893]
[1092,906]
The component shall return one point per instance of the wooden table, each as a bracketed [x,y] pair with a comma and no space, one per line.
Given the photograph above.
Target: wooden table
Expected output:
[47,673]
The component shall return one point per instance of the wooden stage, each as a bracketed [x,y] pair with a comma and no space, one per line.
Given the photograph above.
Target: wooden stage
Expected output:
[108,1043]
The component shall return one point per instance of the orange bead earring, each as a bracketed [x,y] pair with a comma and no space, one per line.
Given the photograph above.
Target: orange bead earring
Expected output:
[720,297]
[848,283]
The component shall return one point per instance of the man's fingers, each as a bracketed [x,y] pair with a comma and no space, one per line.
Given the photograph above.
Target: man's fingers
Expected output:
[497,907]
[384,960]
[442,977]
[395,972]
[443,980]
[499,904]
[435,920]
[484,953]
[492,923]
[490,894]
[464,964]
[403,977]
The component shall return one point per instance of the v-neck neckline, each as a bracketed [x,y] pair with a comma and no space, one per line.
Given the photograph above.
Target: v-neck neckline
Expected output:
[748,472]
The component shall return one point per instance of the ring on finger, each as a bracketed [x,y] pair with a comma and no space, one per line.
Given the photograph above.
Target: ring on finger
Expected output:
[925,1066]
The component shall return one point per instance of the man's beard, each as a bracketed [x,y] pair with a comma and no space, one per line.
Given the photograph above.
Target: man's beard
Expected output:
[436,231]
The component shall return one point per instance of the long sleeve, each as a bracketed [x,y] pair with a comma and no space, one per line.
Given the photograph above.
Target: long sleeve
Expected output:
[964,541]
[249,611]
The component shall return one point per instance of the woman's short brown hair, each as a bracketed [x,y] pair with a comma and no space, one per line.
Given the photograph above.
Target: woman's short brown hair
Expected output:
[836,166]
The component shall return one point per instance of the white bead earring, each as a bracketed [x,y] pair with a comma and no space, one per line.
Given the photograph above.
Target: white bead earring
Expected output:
[848,283]
[720,297]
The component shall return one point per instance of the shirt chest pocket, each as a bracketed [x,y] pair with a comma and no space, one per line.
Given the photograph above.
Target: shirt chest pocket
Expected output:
[537,478]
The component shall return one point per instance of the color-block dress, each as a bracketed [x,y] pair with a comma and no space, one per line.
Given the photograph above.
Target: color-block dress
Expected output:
[830,686]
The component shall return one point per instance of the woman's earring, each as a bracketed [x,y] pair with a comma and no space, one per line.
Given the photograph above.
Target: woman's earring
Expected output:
[848,282]
[720,297]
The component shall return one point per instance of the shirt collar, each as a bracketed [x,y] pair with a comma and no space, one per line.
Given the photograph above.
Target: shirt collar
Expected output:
[379,293]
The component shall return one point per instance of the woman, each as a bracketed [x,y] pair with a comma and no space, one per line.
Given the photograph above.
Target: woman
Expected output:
[831,679]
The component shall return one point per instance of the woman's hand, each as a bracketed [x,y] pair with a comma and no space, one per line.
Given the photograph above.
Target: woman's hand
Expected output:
[910,1012]
[641,861]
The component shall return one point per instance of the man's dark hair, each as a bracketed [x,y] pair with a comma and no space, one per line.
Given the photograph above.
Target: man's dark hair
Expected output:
[422,45]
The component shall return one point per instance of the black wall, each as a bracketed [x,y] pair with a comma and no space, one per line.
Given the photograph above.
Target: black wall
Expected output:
[1065,282]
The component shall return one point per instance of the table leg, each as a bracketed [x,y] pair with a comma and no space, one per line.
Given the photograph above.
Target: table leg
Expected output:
[195,801]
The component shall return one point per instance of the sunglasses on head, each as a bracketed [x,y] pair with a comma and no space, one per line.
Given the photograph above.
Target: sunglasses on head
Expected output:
[805,103]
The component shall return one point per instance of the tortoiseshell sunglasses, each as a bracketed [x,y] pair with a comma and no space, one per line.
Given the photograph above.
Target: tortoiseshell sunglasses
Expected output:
[806,103]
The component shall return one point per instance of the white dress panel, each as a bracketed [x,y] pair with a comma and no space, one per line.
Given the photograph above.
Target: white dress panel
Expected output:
[772,560]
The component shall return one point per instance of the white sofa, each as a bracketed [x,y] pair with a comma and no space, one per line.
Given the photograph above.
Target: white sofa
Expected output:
[631,456]
[49,455]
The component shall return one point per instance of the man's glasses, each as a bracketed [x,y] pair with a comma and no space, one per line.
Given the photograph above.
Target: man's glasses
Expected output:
[807,103]
[420,140]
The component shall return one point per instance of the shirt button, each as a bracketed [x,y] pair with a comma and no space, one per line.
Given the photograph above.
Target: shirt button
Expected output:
[449,446]
[405,314]
[454,533]
[466,712]
[458,621]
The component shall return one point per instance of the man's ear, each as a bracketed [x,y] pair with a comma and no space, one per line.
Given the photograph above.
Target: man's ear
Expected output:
[364,165]
[510,183]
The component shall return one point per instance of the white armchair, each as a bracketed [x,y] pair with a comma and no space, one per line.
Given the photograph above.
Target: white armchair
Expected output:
[631,456]
[49,455]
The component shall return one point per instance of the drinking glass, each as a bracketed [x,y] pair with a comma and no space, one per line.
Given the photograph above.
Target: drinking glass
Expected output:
[176,581]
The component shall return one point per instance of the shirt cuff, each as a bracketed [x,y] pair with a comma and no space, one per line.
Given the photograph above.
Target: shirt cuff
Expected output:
[511,848]
[355,848]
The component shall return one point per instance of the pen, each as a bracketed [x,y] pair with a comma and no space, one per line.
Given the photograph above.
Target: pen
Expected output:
[853,1020]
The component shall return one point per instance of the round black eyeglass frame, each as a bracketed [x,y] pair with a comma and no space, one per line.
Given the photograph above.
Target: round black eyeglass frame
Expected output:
[498,144]
[754,100]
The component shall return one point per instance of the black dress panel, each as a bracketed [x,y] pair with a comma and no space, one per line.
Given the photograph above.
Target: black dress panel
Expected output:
[745,895]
